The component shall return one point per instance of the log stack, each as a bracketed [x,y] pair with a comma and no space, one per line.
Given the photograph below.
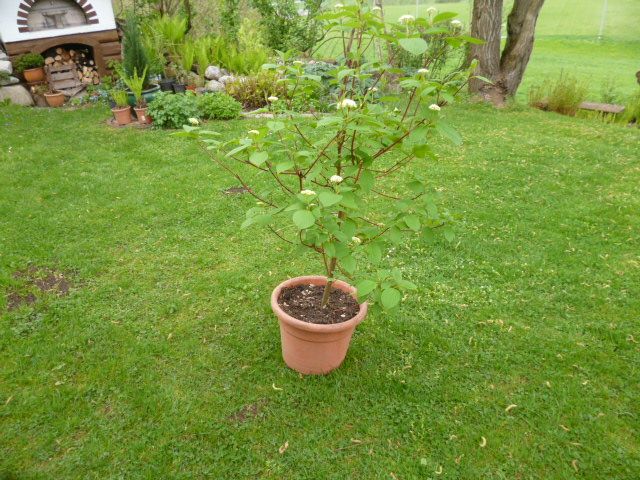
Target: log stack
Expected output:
[86,69]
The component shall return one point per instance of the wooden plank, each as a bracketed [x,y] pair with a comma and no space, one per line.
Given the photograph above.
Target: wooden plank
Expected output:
[111,48]
[42,44]
[57,76]
[602,107]
[62,84]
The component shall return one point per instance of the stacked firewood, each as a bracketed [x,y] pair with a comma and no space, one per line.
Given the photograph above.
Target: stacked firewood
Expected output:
[87,70]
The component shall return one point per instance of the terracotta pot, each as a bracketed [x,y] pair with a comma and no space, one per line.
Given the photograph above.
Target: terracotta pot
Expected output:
[34,75]
[191,88]
[312,348]
[122,115]
[141,113]
[54,99]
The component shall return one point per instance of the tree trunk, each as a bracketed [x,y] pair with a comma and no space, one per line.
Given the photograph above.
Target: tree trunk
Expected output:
[504,69]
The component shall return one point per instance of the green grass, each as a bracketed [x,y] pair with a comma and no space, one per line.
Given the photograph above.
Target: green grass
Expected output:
[167,333]
[567,39]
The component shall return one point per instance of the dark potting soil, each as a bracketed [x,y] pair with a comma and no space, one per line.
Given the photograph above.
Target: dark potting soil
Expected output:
[304,302]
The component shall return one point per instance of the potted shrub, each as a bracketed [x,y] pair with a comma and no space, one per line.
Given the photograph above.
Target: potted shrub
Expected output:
[341,188]
[135,59]
[135,84]
[31,67]
[121,111]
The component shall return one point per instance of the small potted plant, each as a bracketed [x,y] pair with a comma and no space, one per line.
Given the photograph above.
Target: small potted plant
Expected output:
[180,85]
[54,98]
[31,67]
[341,188]
[135,84]
[121,111]
[166,83]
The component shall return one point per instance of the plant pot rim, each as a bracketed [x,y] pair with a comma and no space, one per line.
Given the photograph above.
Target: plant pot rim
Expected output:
[119,109]
[316,327]
[32,68]
[56,94]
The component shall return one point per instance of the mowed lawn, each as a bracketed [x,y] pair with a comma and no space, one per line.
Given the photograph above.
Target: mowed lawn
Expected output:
[163,360]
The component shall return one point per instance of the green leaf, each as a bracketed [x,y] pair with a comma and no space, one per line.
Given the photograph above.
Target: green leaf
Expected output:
[367,179]
[303,219]
[448,234]
[284,166]
[328,121]
[390,298]
[365,287]
[349,264]
[275,126]
[416,46]
[413,222]
[329,198]
[416,186]
[395,235]
[441,17]
[421,151]
[374,252]
[448,131]
[258,158]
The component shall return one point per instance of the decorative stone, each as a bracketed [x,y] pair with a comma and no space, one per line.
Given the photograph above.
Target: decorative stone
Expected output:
[224,79]
[9,81]
[213,72]
[3,56]
[6,67]
[16,94]
[214,86]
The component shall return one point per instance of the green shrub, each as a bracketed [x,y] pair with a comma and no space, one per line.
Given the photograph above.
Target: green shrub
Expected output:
[172,111]
[218,106]
[566,94]
[120,97]
[28,61]
[252,92]
[219,51]
[134,53]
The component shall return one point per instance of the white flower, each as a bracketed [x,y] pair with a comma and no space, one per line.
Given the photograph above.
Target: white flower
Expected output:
[435,107]
[272,98]
[356,240]
[373,89]
[376,9]
[194,121]
[407,19]
[432,11]
[298,63]
[336,179]
[254,132]
[346,103]
[396,110]
[423,71]
[338,6]
[307,192]
[456,23]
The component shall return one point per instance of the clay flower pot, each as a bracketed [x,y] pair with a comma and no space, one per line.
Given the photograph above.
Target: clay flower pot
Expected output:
[34,75]
[54,99]
[141,113]
[122,115]
[312,348]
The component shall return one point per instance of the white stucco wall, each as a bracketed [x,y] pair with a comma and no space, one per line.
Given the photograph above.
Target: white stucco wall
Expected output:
[9,27]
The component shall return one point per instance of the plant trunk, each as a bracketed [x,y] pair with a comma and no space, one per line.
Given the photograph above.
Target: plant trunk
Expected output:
[505,69]
[327,287]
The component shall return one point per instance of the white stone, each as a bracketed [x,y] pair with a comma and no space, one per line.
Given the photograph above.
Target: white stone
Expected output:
[6,67]
[224,79]
[9,81]
[3,56]
[214,86]
[16,94]
[213,72]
